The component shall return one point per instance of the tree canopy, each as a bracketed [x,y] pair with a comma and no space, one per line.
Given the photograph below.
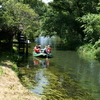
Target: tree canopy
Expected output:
[74,21]
[20,16]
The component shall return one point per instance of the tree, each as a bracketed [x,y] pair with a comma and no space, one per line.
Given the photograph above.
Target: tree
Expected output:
[91,25]
[18,16]
[32,3]
[61,17]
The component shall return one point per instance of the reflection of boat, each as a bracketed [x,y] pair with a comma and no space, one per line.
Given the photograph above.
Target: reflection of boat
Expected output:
[42,54]
[43,62]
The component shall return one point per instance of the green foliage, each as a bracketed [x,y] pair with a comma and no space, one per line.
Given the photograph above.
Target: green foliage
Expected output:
[85,48]
[97,44]
[90,51]
[20,16]
[87,51]
[10,58]
[91,25]
[67,19]
[97,49]
[97,54]
[62,24]
[14,67]
[62,17]
[1,71]
[8,63]
[32,3]
[15,57]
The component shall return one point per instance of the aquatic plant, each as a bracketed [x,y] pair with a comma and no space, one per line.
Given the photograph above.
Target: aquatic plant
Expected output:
[61,86]
[64,87]
[26,76]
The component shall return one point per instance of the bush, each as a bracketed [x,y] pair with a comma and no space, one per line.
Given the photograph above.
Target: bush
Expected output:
[97,44]
[97,53]
[87,51]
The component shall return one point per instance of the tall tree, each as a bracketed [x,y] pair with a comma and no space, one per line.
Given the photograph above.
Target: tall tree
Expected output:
[18,16]
[64,19]
[32,3]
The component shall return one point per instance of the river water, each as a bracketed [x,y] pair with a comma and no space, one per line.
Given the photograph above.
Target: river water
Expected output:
[41,75]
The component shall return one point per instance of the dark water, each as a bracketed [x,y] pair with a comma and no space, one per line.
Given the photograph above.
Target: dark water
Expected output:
[34,72]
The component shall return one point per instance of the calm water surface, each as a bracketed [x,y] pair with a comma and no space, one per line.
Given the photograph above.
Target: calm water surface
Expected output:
[87,72]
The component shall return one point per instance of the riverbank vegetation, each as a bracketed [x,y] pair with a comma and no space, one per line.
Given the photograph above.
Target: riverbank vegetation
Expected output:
[58,86]
[75,22]
[10,85]
[90,50]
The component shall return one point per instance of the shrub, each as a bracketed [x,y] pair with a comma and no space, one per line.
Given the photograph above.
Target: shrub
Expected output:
[97,44]
[97,53]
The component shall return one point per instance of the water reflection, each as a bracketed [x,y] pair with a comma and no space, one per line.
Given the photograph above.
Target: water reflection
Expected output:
[46,41]
[87,73]
[41,81]
[41,62]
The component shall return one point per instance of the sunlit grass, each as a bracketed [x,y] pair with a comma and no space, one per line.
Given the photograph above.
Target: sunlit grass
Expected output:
[1,71]
[88,51]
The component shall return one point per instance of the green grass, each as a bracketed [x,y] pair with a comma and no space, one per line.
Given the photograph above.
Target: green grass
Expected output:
[90,51]
[9,60]
[1,71]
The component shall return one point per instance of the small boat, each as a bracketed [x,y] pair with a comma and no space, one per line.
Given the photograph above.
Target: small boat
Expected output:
[42,55]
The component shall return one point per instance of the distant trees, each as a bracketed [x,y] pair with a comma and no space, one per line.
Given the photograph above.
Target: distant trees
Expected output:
[74,21]
[91,27]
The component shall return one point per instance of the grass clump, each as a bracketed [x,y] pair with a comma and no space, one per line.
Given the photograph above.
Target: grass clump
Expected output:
[10,86]
[90,51]
[9,60]
[1,71]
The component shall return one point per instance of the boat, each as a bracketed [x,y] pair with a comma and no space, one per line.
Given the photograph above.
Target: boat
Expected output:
[44,55]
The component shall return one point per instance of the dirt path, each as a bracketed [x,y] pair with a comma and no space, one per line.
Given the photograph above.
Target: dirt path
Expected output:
[12,89]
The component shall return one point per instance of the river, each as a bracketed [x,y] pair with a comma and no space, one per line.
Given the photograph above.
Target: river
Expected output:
[66,75]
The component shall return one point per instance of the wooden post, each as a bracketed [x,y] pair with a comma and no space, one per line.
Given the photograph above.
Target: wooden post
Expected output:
[21,41]
[26,48]
[27,43]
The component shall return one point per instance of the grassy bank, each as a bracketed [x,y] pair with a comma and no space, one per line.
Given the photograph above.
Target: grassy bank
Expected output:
[10,86]
[90,51]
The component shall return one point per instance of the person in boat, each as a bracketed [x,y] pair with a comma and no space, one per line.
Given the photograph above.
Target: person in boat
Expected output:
[37,49]
[47,49]
[39,46]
